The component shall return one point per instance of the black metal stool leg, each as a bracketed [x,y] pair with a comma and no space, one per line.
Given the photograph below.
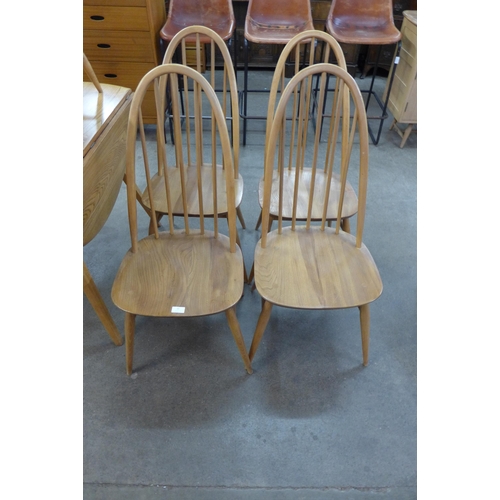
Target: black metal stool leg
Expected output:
[383,105]
[375,69]
[245,93]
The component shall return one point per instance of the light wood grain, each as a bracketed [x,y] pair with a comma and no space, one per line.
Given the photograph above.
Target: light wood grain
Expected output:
[104,165]
[87,67]
[198,272]
[318,47]
[349,207]
[183,272]
[99,109]
[315,269]
[192,198]
[306,266]
[94,296]
[105,118]
[403,98]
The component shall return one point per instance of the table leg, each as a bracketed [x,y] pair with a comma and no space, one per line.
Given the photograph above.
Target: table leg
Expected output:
[92,292]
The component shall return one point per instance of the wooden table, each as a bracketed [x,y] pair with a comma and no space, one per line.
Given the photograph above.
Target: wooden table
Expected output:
[105,118]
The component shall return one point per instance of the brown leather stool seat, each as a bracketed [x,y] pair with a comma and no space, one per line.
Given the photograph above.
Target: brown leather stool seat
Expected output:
[277,22]
[217,15]
[272,22]
[365,22]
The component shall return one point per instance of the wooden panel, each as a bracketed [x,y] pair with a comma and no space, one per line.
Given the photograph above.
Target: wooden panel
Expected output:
[403,98]
[103,170]
[124,74]
[115,18]
[99,109]
[132,46]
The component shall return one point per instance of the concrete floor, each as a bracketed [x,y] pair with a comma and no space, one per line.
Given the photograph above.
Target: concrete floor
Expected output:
[310,423]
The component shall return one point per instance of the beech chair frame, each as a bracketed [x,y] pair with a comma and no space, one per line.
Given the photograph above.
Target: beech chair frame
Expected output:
[310,266]
[150,281]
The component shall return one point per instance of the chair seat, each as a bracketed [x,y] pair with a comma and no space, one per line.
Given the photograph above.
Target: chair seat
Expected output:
[174,176]
[197,272]
[349,207]
[314,269]
[362,30]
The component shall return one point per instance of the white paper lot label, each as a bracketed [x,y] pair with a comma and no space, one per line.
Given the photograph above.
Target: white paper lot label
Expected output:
[178,310]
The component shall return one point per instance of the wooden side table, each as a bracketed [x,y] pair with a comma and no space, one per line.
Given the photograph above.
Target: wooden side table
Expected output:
[105,119]
[403,98]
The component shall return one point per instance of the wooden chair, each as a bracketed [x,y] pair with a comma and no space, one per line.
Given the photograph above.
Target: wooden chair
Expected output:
[193,271]
[222,80]
[308,265]
[105,114]
[366,22]
[229,101]
[320,47]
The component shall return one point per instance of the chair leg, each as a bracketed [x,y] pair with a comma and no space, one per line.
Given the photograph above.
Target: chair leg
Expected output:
[271,219]
[238,337]
[364,315]
[129,341]
[261,326]
[345,225]
[250,276]
[240,217]
[92,293]
[151,225]
[245,277]
[259,220]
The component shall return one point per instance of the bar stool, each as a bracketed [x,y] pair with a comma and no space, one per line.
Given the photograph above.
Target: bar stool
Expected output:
[271,22]
[366,22]
[218,15]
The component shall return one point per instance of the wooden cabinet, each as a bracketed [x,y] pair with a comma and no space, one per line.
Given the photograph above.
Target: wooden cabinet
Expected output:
[121,41]
[403,98]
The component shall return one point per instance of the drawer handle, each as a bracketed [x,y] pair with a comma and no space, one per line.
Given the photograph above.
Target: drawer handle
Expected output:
[97,18]
[110,75]
[104,45]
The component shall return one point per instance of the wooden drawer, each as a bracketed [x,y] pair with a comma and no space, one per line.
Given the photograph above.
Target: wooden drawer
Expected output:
[118,46]
[124,74]
[116,3]
[115,18]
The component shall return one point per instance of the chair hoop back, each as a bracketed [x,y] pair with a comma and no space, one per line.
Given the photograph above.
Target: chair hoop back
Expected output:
[300,87]
[203,35]
[203,95]
[308,40]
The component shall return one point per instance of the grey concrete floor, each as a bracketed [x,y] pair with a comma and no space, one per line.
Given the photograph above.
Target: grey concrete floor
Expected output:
[311,422]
